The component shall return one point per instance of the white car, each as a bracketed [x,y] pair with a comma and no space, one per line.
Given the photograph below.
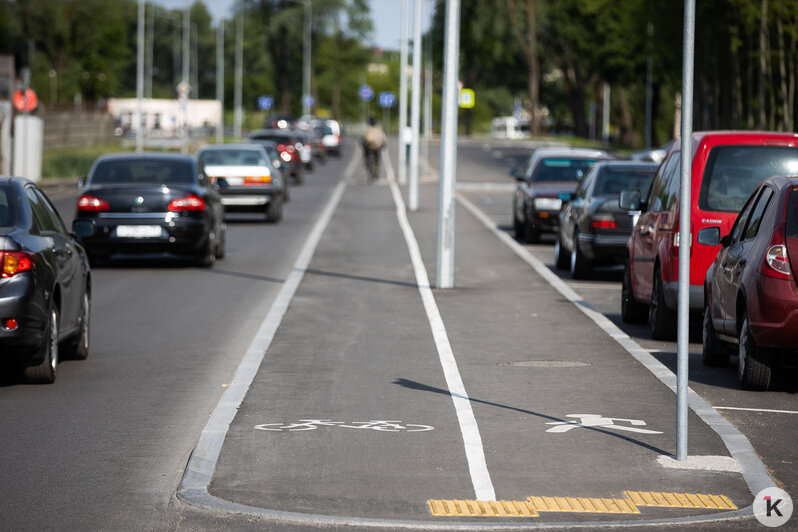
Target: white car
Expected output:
[332,137]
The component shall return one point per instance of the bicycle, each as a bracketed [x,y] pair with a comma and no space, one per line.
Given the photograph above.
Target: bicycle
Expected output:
[372,164]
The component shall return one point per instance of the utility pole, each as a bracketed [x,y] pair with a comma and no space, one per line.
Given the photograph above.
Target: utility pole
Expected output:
[451,55]
[415,108]
[220,80]
[239,76]
[140,79]
[403,95]
[306,60]
[186,87]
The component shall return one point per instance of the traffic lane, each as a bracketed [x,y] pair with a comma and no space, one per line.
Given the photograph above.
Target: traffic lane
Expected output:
[338,420]
[104,447]
[531,362]
[770,433]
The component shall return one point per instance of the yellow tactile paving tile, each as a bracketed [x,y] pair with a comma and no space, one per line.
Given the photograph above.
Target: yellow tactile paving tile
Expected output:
[470,508]
[584,505]
[662,499]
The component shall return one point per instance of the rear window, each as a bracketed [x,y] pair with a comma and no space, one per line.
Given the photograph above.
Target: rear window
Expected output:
[143,172]
[561,169]
[612,181]
[792,215]
[733,172]
[279,139]
[232,157]
[7,213]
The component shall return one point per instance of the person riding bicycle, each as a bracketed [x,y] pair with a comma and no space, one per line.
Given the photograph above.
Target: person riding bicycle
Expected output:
[373,141]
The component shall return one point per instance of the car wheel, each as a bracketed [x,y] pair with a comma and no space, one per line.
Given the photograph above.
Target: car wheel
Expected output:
[221,243]
[531,234]
[580,266]
[274,210]
[632,311]
[207,257]
[44,372]
[560,257]
[661,319]
[754,366]
[79,347]
[713,353]
[518,228]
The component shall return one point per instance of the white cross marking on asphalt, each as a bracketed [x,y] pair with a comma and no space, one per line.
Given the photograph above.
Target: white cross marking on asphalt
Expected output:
[597,420]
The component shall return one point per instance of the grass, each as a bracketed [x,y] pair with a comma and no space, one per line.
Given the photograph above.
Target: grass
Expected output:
[70,163]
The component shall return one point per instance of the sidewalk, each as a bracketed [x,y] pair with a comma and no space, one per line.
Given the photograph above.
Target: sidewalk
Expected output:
[350,418]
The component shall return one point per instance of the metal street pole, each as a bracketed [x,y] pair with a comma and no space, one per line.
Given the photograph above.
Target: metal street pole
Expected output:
[140,79]
[605,125]
[239,77]
[428,103]
[649,80]
[451,54]
[403,95]
[220,80]
[186,75]
[685,238]
[306,60]
[415,107]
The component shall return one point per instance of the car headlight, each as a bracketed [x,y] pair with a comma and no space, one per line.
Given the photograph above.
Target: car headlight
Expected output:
[547,204]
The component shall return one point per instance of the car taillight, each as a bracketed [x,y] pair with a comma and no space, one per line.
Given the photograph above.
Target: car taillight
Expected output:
[89,203]
[285,156]
[776,263]
[15,262]
[188,203]
[258,180]
[10,324]
[603,222]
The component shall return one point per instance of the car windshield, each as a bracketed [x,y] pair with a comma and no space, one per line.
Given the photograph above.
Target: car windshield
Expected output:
[611,181]
[232,157]
[279,139]
[733,172]
[143,172]
[792,215]
[7,215]
[561,169]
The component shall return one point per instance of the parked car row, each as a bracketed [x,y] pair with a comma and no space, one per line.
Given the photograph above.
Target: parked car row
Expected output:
[743,241]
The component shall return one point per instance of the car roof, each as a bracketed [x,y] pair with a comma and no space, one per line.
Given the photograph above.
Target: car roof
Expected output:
[238,146]
[146,156]
[627,164]
[735,137]
[564,151]
[273,131]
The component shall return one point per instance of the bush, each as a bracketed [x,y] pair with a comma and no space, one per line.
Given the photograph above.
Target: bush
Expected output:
[74,162]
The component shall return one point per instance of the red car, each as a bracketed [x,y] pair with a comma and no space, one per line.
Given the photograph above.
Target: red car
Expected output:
[750,290]
[726,166]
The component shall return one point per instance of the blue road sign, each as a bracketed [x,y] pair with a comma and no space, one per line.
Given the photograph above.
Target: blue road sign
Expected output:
[366,93]
[265,103]
[387,99]
[308,100]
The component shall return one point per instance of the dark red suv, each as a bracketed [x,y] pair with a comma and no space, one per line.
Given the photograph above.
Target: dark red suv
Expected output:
[726,166]
[750,290]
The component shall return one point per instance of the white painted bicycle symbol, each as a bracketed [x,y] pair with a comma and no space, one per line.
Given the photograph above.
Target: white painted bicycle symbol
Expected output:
[379,425]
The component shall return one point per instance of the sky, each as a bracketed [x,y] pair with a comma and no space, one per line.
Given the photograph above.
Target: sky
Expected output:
[384,13]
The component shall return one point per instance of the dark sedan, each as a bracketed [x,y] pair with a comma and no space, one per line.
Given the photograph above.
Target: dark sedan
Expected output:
[750,291]
[45,284]
[547,173]
[152,204]
[593,227]
[287,144]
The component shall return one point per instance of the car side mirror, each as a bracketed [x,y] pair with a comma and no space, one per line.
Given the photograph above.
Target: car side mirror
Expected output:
[726,241]
[221,182]
[81,181]
[629,200]
[709,236]
[84,228]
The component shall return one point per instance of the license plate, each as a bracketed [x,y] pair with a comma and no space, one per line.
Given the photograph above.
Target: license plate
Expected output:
[138,231]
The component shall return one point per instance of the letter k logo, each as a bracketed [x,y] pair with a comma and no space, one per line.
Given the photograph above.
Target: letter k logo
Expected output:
[772,507]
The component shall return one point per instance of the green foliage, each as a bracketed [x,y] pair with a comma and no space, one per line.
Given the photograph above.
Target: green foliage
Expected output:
[75,162]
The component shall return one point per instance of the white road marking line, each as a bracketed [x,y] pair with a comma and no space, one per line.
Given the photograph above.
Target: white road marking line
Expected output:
[486,187]
[202,463]
[389,173]
[753,470]
[475,454]
[769,410]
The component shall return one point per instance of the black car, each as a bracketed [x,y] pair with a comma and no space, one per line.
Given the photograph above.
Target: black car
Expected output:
[288,146]
[593,229]
[152,204]
[45,284]
[547,173]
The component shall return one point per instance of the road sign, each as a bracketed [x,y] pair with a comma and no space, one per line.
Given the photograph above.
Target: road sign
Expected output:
[366,93]
[26,101]
[265,103]
[387,99]
[466,99]
[308,100]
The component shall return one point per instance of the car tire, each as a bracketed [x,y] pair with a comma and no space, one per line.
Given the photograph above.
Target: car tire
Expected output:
[754,371]
[561,259]
[632,311]
[531,233]
[661,319]
[274,210]
[78,348]
[581,268]
[207,257]
[518,228]
[713,352]
[221,243]
[45,371]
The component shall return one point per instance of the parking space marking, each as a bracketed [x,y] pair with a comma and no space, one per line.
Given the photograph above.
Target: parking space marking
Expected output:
[475,454]
[753,470]
[768,410]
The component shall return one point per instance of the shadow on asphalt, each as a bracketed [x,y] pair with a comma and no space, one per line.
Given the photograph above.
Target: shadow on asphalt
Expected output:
[360,278]
[405,383]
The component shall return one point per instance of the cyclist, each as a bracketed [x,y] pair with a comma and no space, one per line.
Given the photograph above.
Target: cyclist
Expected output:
[373,141]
